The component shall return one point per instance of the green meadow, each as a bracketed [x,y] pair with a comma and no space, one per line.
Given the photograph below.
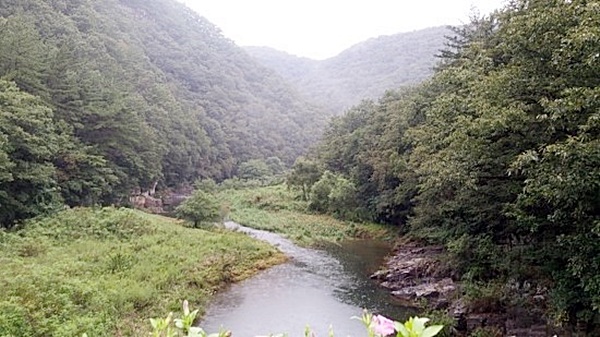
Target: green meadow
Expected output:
[279,209]
[105,271]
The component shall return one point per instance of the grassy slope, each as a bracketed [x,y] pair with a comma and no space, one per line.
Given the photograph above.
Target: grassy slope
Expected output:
[105,271]
[277,209]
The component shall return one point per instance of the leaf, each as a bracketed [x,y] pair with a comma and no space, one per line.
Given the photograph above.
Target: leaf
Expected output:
[402,331]
[431,331]
[196,332]
[419,325]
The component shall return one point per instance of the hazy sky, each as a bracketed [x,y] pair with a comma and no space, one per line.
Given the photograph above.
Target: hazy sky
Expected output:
[322,28]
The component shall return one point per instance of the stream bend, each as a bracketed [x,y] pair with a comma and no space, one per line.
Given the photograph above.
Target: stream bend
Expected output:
[319,288]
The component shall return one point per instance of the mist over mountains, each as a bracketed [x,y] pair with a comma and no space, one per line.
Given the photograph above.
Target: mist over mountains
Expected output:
[365,70]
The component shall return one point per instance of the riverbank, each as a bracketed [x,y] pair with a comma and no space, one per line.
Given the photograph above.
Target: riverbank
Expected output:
[420,276]
[105,271]
[279,210]
[320,288]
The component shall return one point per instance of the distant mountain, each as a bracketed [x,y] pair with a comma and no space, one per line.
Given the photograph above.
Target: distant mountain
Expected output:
[365,70]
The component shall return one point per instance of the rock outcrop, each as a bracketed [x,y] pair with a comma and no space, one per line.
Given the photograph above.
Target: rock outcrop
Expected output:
[416,276]
[413,275]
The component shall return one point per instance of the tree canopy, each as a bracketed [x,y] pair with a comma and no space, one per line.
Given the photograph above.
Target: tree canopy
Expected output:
[497,156]
[101,98]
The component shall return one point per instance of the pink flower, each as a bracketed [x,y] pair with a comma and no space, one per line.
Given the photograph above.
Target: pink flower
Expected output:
[383,325]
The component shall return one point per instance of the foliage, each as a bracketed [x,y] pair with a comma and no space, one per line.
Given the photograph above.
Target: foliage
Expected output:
[29,141]
[276,166]
[128,94]
[335,195]
[103,271]
[497,155]
[320,191]
[183,326]
[376,325]
[206,185]
[254,169]
[276,209]
[199,207]
[303,174]
[380,326]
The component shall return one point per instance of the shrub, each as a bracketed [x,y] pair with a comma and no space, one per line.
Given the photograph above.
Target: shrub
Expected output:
[200,207]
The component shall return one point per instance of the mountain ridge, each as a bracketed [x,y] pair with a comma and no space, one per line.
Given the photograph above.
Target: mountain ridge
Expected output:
[365,70]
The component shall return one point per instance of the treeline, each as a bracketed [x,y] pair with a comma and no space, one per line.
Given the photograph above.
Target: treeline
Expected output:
[497,156]
[100,98]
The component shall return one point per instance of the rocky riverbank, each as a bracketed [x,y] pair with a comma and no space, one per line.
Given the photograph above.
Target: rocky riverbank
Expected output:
[415,275]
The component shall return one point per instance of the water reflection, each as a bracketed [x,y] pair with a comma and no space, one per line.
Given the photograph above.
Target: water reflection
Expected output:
[359,259]
[321,288]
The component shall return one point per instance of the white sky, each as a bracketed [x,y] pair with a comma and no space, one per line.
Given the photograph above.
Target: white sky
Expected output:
[320,29]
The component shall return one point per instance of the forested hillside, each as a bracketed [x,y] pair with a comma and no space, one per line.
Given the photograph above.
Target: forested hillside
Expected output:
[366,70]
[102,97]
[497,157]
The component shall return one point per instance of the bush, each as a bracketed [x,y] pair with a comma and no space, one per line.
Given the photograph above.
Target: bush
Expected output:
[335,195]
[200,207]
[13,320]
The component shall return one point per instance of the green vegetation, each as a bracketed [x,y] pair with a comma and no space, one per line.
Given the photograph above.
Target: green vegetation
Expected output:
[102,98]
[497,156]
[199,207]
[376,326]
[304,174]
[279,209]
[104,271]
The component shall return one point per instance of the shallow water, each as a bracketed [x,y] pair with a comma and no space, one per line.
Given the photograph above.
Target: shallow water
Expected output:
[319,288]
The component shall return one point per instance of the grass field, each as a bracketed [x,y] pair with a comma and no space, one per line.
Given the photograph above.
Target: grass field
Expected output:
[277,209]
[106,271]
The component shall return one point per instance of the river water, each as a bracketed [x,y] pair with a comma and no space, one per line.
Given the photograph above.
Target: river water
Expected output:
[321,288]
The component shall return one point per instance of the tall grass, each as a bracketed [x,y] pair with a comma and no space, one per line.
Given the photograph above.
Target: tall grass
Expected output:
[103,271]
[277,209]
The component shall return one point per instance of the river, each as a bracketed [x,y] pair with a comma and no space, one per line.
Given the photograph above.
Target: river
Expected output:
[321,288]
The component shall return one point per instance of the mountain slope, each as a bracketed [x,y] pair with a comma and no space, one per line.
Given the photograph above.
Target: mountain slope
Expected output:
[134,93]
[201,99]
[365,70]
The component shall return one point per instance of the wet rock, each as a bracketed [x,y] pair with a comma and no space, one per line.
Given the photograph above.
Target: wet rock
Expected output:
[427,290]
[458,311]
[412,275]
[416,277]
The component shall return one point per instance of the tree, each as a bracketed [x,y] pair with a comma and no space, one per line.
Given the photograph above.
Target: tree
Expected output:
[254,169]
[24,55]
[29,141]
[276,166]
[304,174]
[198,208]
[320,191]
[159,97]
[496,156]
[335,195]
